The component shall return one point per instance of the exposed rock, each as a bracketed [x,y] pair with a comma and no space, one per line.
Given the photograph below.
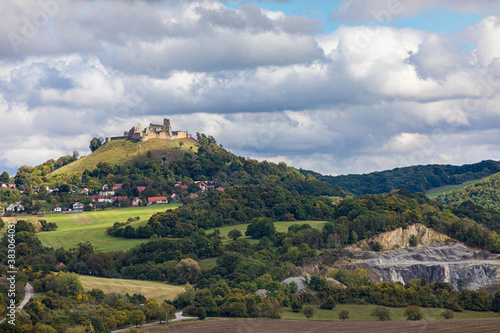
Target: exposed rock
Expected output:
[300,281]
[435,262]
[400,238]
[336,282]
[262,292]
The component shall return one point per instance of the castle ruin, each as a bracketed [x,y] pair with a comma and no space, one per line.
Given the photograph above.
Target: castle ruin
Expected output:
[153,131]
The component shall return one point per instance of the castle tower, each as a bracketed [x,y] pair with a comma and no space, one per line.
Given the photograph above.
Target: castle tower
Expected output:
[167,127]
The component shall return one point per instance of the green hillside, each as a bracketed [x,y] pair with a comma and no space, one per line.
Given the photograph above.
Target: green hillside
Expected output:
[442,190]
[126,152]
[91,227]
[485,193]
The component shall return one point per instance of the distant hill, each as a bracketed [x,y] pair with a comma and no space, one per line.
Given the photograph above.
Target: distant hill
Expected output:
[126,152]
[485,193]
[415,178]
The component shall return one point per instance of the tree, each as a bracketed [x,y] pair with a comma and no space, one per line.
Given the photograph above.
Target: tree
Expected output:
[328,304]
[188,270]
[235,233]
[137,317]
[377,247]
[2,223]
[67,284]
[447,314]
[308,312]
[260,227]
[382,314]
[170,310]
[413,240]
[201,313]
[95,143]
[4,177]
[76,154]
[296,305]
[344,314]
[413,312]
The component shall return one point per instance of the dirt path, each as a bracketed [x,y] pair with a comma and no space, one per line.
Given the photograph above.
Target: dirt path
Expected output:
[292,326]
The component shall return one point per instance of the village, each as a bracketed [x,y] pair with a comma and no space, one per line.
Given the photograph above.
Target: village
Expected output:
[111,196]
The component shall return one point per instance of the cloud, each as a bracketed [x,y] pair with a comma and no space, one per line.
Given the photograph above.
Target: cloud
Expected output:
[264,84]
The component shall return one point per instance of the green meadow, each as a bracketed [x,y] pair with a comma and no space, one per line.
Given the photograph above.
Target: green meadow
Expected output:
[280,226]
[75,228]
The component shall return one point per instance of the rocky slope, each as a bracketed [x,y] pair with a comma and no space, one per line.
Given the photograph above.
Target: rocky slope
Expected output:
[431,261]
[400,238]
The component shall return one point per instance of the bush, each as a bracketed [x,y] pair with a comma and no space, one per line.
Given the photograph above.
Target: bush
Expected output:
[382,314]
[234,234]
[413,313]
[447,314]
[413,240]
[377,247]
[344,314]
[201,313]
[328,304]
[296,306]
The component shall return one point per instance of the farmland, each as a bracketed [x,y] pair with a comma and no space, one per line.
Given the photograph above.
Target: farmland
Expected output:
[156,290]
[91,227]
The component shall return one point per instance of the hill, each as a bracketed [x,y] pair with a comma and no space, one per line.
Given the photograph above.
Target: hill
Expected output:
[126,152]
[485,193]
[418,178]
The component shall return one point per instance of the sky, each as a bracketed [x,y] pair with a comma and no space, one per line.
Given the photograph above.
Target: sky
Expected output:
[339,87]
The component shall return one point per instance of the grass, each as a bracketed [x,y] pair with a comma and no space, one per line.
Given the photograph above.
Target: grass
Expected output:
[157,290]
[363,313]
[91,226]
[280,226]
[126,152]
[437,191]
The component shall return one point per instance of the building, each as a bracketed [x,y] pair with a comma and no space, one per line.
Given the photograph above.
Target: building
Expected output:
[158,200]
[78,206]
[17,207]
[193,196]
[57,210]
[136,202]
[141,188]
[153,131]
[2,211]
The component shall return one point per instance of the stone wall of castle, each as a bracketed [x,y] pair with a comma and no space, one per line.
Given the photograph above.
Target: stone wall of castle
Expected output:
[153,131]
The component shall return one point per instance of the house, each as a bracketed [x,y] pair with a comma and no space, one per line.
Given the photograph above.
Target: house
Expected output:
[119,197]
[57,210]
[2,211]
[117,187]
[179,184]
[105,187]
[107,193]
[141,188]
[12,186]
[78,206]
[85,191]
[136,202]
[221,189]
[193,196]
[203,186]
[3,186]
[158,200]
[17,207]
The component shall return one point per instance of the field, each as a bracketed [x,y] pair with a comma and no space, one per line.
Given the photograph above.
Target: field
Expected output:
[126,152]
[294,326]
[91,226]
[280,226]
[437,191]
[157,290]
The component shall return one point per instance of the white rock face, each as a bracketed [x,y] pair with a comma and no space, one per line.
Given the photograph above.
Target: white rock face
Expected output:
[435,262]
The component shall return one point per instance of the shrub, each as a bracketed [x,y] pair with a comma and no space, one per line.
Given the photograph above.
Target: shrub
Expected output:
[308,312]
[447,314]
[382,314]
[296,306]
[413,313]
[328,304]
[377,247]
[344,314]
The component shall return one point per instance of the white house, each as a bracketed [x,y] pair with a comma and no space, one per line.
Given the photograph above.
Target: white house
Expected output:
[17,207]
[78,206]
[57,210]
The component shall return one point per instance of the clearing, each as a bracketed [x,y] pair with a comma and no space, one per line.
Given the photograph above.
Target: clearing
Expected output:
[437,191]
[157,290]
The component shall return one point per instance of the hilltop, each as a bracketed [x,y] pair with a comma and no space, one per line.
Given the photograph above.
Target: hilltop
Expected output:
[485,193]
[125,152]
